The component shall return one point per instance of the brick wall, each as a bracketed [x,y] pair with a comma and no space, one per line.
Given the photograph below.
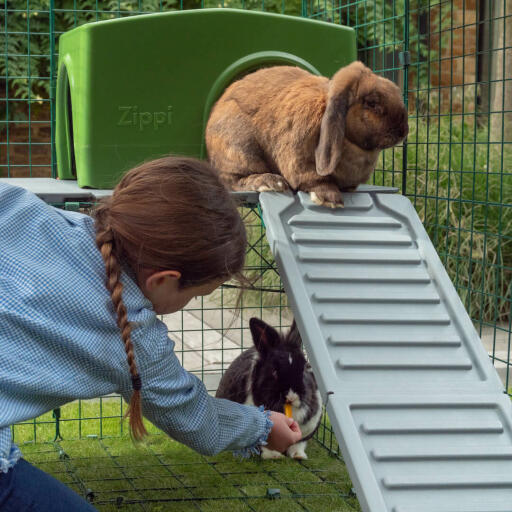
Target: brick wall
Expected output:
[28,153]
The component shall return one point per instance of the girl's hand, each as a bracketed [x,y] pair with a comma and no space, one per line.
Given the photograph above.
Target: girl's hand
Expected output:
[284,433]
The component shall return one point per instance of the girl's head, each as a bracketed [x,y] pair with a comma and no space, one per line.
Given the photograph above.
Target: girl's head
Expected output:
[173,223]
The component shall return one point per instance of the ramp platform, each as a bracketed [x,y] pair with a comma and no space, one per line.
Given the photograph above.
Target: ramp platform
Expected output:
[417,407]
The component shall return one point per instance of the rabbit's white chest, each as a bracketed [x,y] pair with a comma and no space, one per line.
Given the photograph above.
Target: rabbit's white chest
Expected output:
[300,413]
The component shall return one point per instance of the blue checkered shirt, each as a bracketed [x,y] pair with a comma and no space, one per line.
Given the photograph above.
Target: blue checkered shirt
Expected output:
[59,340]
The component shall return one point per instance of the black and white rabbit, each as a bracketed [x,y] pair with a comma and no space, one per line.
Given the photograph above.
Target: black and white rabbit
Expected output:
[273,373]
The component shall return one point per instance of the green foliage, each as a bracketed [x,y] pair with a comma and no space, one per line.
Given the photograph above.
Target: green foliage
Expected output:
[290,7]
[377,23]
[27,38]
[385,28]
[26,48]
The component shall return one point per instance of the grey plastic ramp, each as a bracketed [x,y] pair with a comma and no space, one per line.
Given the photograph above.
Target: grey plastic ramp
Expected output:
[416,405]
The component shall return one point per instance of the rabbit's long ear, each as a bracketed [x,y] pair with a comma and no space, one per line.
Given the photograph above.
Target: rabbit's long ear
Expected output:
[332,129]
[293,335]
[264,336]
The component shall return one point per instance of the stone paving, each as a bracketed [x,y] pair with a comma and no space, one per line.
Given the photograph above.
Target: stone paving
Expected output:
[198,333]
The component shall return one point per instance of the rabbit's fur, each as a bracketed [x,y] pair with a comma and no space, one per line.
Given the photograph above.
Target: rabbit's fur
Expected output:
[272,373]
[282,127]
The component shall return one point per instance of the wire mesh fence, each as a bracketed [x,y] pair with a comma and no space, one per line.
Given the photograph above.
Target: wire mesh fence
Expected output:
[453,61]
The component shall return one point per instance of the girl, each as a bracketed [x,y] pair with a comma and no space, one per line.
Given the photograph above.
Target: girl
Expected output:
[169,232]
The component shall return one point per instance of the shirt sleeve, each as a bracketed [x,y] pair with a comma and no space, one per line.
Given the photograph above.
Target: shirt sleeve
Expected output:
[178,403]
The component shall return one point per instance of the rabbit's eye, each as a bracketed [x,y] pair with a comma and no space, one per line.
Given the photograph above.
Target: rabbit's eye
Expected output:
[372,104]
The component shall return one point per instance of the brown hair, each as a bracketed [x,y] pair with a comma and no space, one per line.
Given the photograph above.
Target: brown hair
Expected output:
[168,214]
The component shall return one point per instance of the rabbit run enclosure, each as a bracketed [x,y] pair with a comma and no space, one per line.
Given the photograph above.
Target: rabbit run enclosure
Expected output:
[453,62]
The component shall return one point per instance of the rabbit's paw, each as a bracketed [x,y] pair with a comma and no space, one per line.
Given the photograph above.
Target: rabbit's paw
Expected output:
[266,182]
[297,451]
[327,196]
[270,454]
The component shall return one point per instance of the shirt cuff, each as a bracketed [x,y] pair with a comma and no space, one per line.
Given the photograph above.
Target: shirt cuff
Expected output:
[8,462]
[255,449]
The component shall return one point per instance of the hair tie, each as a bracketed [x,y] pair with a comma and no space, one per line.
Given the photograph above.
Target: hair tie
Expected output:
[136,383]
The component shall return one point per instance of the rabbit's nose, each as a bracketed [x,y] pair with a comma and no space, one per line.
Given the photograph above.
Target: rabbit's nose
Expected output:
[292,397]
[402,129]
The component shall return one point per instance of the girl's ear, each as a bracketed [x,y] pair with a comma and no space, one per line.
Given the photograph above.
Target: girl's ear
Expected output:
[158,278]
[332,128]
[264,336]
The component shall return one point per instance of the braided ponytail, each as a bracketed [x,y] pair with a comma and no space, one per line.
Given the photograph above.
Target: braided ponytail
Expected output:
[173,213]
[105,242]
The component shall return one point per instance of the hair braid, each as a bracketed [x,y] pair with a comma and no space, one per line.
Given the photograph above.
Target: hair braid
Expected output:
[105,242]
[173,213]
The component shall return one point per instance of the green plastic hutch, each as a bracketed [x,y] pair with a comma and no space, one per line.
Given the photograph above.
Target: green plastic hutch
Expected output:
[137,88]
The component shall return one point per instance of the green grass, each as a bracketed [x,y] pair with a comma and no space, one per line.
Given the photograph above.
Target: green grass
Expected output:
[161,474]
[461,186]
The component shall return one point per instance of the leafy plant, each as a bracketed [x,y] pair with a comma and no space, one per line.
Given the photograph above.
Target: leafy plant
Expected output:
[26,42]
[26,48]
[384,29]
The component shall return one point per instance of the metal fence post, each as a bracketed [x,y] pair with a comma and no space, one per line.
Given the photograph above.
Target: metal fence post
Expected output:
[405,63]
[52,87]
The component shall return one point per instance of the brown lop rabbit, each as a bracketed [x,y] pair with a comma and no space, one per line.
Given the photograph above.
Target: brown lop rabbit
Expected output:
[282,127]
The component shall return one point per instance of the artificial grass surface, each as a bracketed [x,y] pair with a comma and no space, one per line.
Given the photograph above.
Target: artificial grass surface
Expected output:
[161,475]
[97,458]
